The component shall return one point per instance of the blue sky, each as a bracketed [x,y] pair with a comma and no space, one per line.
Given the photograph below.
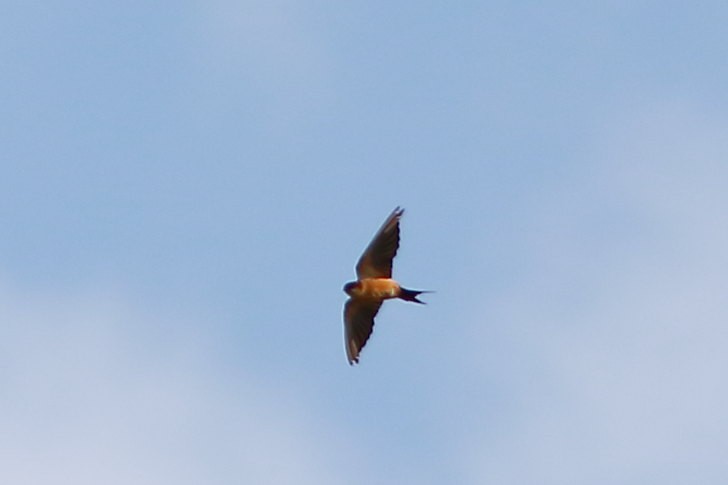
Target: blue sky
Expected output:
[187,186]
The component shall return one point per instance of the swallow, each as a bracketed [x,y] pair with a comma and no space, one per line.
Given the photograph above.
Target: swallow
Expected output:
[374,284]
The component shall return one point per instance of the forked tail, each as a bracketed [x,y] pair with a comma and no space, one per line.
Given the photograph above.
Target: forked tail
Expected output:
[411,295]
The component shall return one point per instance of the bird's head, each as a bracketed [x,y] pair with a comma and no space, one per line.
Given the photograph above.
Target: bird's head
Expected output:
[350,287]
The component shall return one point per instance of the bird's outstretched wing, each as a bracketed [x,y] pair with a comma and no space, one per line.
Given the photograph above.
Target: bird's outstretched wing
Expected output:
[358,325]
[376,262]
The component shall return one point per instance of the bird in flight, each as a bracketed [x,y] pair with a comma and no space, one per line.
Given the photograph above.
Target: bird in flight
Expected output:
[374,284]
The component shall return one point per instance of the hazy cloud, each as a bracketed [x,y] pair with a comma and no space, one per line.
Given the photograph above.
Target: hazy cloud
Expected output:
[91,393]
[617,335]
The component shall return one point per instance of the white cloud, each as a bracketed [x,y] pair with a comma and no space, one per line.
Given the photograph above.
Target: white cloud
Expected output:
[618,333]
[92,394]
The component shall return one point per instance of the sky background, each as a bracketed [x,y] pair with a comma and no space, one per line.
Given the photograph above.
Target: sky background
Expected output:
[186,186]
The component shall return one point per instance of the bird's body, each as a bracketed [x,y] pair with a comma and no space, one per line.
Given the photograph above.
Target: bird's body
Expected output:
[375,289]
[373,286]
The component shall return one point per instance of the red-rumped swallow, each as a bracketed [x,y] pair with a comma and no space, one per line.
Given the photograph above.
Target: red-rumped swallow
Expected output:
[374,284]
